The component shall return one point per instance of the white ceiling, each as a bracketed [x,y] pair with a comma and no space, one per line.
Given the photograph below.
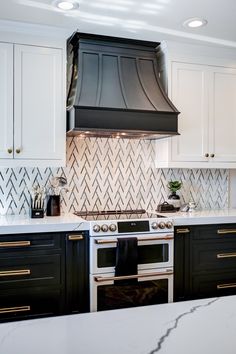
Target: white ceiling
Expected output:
[144,19]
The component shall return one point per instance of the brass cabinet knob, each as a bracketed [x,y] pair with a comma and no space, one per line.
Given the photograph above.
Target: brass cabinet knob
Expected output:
[17,151]
[206,155]
[212,155]
[9,151]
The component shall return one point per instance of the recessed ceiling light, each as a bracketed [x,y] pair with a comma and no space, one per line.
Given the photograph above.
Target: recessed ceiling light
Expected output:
[195,22]
[66,5]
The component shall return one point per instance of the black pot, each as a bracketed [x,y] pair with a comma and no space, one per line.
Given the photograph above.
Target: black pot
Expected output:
[175,200]
[173,195]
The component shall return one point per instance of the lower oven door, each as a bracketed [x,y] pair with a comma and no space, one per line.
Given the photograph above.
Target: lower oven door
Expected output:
[146,288]
[154,251]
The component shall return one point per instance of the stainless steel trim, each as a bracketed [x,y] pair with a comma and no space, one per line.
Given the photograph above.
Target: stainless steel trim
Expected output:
[226,286]
[11,273]
[139,239]
[226,231]
[100,279]
[75,237]
[15,244]
[226,255]
[15,309]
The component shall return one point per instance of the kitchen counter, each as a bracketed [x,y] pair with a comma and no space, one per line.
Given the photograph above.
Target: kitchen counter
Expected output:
[12,224]
[203,217]
[202,326]
[16,224]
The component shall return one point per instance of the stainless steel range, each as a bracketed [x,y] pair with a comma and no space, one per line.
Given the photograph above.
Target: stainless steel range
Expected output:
[128,237]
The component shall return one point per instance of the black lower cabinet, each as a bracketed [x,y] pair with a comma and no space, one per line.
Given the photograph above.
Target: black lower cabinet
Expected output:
[205,261]
[43,275]
[77,272]
[29,303]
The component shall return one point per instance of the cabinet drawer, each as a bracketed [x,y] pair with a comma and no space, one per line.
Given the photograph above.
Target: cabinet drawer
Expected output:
[25,271]
[213,256]
[214,232]
[12,244]
[29,303]
[214,285]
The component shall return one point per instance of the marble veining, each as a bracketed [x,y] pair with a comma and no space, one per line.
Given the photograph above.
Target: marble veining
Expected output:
[69,222]
[204,326]
[165,336]
[11,224]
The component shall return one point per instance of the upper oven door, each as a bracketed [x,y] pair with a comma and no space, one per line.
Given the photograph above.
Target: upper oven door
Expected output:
[154,251]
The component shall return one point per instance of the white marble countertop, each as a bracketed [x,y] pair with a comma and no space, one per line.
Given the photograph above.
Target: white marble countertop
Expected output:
[16,224]
[197,217]
[192,327]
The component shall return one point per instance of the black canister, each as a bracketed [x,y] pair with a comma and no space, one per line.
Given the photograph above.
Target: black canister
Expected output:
[53,205]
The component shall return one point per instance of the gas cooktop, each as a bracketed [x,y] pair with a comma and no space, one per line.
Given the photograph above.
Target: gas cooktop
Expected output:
[117,214]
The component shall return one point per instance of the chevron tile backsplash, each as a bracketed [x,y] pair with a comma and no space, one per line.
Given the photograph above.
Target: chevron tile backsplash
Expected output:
[111,174]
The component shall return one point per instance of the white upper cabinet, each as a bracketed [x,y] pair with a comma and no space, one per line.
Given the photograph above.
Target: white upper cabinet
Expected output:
[189,94]
[222,114]
[6,101]
[38,118]
[205,94]
[32,106]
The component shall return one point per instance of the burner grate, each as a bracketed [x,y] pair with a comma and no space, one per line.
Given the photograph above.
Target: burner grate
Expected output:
[109,212]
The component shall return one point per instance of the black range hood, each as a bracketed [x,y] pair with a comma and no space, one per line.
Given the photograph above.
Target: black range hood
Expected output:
[113,89]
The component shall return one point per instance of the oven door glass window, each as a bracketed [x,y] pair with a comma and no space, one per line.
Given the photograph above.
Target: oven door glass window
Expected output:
[133,293]
[147,254]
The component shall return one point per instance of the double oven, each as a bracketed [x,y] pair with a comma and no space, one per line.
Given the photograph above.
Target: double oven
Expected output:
[153,281]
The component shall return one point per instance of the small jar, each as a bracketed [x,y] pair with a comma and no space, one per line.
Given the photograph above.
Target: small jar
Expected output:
[192,206]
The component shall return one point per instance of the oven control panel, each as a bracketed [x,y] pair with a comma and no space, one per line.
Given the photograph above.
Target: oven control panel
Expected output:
[116,227]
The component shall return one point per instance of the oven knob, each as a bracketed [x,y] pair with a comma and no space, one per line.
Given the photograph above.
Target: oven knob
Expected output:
[96,228]
[104,228]
[112,227]
[154,225]
[161,225]
[169,225]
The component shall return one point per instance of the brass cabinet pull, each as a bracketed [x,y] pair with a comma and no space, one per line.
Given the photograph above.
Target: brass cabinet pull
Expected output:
[226,255]
[226,231]
[139,239]
[15,309]
[182,231]
[12,273]
[9,151]
[226,286]
[18,151]
[15,244]
[75,237]
[99,279]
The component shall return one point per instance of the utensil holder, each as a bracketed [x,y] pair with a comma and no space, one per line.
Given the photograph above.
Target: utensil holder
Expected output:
[53,205]
[37,213]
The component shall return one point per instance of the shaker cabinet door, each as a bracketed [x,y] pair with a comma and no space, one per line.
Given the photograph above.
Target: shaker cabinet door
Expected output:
[39,113]
[222,114]
[189,94]
[6,100]
[77,272]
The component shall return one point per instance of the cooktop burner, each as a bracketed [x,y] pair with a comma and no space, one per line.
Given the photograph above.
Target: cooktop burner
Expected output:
[115,214]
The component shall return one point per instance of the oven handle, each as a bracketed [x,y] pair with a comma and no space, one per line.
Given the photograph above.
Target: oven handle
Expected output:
[99,279]
[102,242]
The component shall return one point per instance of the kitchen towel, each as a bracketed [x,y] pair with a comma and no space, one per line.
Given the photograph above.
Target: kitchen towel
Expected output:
[126,256]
